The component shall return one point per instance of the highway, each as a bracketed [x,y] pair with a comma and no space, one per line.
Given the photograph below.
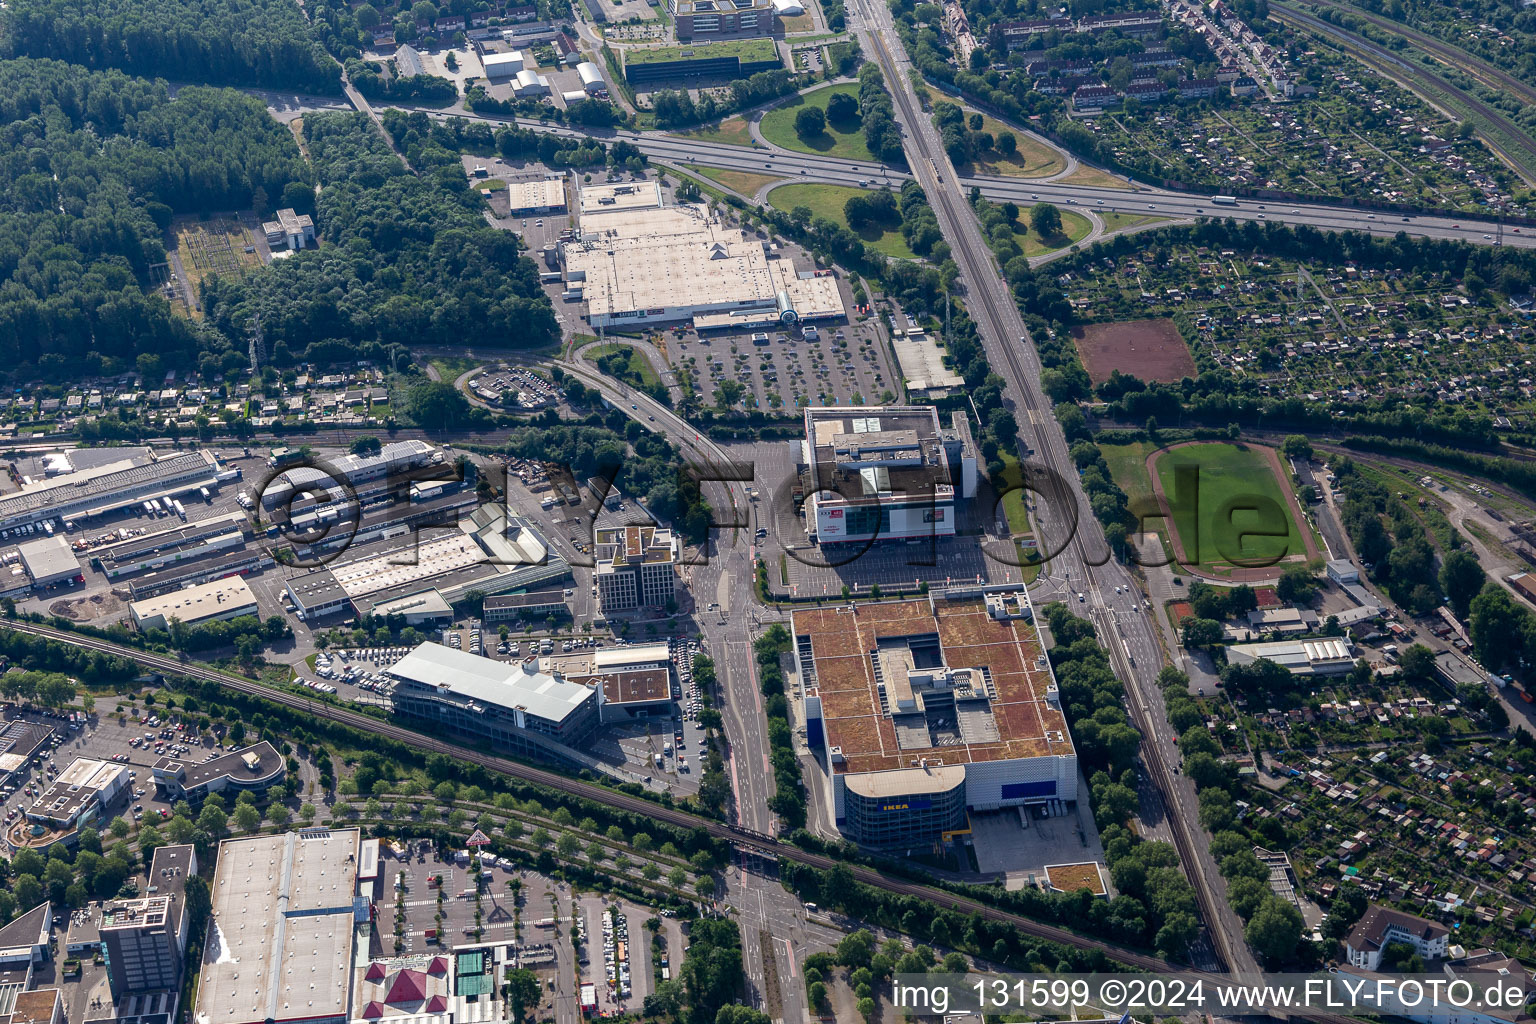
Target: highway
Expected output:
[1105,589]
[1141,199]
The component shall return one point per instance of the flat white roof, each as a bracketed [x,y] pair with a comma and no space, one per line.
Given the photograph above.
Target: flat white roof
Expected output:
[614,197]
[280,939]
[492,60]
[640,259]
[547,193]
[493,682]
[430,558]
[194,604]
[609,658]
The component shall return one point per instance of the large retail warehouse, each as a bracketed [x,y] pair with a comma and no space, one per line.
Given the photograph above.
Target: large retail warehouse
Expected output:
[635,261]
[922,710]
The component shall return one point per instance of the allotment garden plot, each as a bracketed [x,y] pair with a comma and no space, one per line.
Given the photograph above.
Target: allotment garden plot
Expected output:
[1363,139]
[1318,331]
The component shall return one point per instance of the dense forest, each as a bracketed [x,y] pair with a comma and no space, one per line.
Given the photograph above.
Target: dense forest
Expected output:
[224,42]
[92,167]
[406,261]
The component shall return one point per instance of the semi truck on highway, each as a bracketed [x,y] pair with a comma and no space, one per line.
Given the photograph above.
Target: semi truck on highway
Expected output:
[1224,200]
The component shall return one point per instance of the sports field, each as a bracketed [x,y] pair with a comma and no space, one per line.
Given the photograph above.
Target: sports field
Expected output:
[1239,494]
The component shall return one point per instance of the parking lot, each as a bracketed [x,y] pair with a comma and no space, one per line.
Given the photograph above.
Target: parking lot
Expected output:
[782,371]
[515,387]
[107,739]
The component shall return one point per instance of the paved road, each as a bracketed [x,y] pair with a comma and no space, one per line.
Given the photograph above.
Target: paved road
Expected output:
[1125,631]
[1141,199]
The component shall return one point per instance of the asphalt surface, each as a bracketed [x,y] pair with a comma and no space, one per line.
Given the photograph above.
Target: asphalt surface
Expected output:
[1142,199]
[1127,635]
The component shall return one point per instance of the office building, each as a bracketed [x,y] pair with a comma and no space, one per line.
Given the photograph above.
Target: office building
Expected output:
[217,601]
[284,929]
[515,707]
[532,604]
[26,943]
[632,681]
[636,568]
[1382,926]
[721,19]
[922,710]
[884,473]
[143,940]
[253,769]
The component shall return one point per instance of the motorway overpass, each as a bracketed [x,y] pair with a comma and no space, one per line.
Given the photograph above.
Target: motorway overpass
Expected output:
[1140,199]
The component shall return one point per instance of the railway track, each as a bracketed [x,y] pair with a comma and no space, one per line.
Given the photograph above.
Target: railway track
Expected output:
[1451,56]
[1388,63]
[742,838]
[1000,319]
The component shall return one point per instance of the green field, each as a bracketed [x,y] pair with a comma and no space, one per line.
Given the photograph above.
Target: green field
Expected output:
[1116,221]
[1033,159]
[828,201]
[842,140]
[1074,228]
[1231,476]
[745,182]
[748,50]
[733,131]
[639,369]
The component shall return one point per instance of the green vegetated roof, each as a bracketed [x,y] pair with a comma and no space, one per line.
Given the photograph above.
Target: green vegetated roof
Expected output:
[743,49]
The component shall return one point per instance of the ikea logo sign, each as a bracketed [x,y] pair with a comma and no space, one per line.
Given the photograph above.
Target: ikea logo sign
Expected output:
[907,805]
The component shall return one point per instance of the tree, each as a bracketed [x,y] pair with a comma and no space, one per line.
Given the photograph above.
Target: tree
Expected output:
[247,817]
[842,108]
[436,405]
[1461,578]
[1045,219]
[365,444]
[1296,446]
[1417,663]
[1297,584]
[1202,633]
[1274,930]
[523,992]
[810,122]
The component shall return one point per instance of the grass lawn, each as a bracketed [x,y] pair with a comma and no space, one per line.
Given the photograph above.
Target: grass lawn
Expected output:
[1085,175]
[451,366]
[744,182]
[733,131]
[1229,473]
[778,126]
[1074,228]
[1117,221]
[1034,159]
[639,368]
[828,201]
[490,185]
[751,50]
